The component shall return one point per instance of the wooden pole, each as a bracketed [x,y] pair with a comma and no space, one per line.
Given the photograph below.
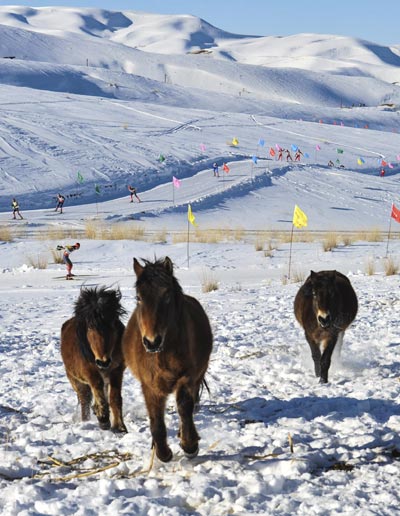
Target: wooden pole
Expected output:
[388,238]
[290,251]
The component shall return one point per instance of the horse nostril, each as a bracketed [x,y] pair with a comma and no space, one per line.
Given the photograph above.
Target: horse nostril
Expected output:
[324,321]
[153,346]
[103,364]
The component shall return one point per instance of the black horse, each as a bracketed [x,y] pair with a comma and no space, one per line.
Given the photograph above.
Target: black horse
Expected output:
[92,354]
[325,306]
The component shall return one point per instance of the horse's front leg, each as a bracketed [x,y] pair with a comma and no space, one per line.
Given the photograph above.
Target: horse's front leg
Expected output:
[115,400]
[155,404]
[84,396]
[187,431]
[100,405]
[329,344]
[315,353]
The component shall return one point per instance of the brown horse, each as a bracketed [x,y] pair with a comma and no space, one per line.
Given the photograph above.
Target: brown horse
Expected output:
[167,345]
[92,354]
[325,306]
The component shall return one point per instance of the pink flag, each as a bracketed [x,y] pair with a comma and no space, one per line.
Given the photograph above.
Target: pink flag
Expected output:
[317,147]
[390,165]
[176,182]
[277,147]
[202,147]
[398,157]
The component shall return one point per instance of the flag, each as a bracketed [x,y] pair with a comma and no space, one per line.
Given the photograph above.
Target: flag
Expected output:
[278,147]
[395,213]
[383,163]
[299,217]
[254,159]
[191,217]
[176,182]
[235,142]
[225,168]
[306,155]
[398,157]
[390,165]
[271,152]
[202,147]
[261,142]
[79,178]
[317,147]
[161,158]
[339,151]
[360,161]
[97,189]
[294,147]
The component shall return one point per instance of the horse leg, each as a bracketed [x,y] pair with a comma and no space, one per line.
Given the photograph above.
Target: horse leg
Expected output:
[100,406]
[156,407]
[187,432]
[326,358]
[316,354]
[115,400]
[84,395]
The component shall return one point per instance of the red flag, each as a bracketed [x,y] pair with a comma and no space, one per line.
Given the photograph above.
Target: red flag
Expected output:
[271,152]
[395,213]
[384,163]
[225,168]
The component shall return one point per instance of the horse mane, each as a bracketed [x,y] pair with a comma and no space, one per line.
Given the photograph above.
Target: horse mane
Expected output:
[155,273]
[96,308]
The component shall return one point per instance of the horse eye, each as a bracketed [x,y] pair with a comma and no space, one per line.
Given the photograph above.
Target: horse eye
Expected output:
[138,298]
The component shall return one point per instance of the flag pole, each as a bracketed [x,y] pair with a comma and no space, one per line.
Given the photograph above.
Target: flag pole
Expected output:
[290,251]
[188,230]
[388,238]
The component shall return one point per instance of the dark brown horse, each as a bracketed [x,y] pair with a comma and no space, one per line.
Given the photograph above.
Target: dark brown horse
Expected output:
[92,354]
[167,345]
[325,306]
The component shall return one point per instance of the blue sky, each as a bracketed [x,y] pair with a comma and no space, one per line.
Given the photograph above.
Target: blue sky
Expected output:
[374,20]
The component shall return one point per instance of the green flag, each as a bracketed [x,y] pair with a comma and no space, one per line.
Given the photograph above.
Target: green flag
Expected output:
[161,158]
[97,189]
[340,151]
[79,178]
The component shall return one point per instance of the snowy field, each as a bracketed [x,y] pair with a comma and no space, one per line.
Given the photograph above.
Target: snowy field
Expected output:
[273,440]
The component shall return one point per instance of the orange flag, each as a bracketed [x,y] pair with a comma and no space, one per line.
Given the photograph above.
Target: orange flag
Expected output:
[271,152]
[225,168]
[395,213]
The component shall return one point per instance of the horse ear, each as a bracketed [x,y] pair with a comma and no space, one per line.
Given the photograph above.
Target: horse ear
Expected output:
[167,263]
[312,274]
[137,267]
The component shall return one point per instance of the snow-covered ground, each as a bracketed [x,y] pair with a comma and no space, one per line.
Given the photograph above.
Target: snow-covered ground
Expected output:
[273,440]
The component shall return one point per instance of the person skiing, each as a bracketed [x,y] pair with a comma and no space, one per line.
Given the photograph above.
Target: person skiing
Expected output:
[15,209]
[68,249]
[297,155]
[288,155]
[280,152]
[132,191]
[60,202]
[215,170]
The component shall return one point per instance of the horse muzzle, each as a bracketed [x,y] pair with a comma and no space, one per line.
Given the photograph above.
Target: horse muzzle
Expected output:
[103,364]
[153,346]
[324,321]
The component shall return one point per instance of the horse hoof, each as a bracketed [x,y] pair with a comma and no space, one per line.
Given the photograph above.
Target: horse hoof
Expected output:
[164,457]
[191,453]
[119,429]
[105,425]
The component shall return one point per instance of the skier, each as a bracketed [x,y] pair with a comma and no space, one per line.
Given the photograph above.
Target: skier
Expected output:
[68,249]
[15,208]
[288,155]
[132,191]
[215,170]
[280,152]
[60,202]
[297,155]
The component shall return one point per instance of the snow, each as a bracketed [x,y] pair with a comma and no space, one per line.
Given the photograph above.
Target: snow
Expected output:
[104,94]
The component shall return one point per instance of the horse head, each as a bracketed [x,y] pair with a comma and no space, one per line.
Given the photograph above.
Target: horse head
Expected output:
[157,296]
[98,325]
[321,286]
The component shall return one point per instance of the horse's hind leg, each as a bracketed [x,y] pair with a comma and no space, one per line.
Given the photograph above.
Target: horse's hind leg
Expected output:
[156,407]
[187,432]
[84,397]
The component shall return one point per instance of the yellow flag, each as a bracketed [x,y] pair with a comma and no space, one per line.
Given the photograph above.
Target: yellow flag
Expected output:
[299,217]
[235,142]
[191,217]
[359,161]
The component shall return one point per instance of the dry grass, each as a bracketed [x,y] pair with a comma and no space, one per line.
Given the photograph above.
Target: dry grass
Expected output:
[370,267]
[390,266]
[297,276]
[6,234]
[95,230]
[38,262]
[373,235]
[208,281]
[57,256]
[330,241]
[58,234]
[259,244]
[160,237]
[348,239]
